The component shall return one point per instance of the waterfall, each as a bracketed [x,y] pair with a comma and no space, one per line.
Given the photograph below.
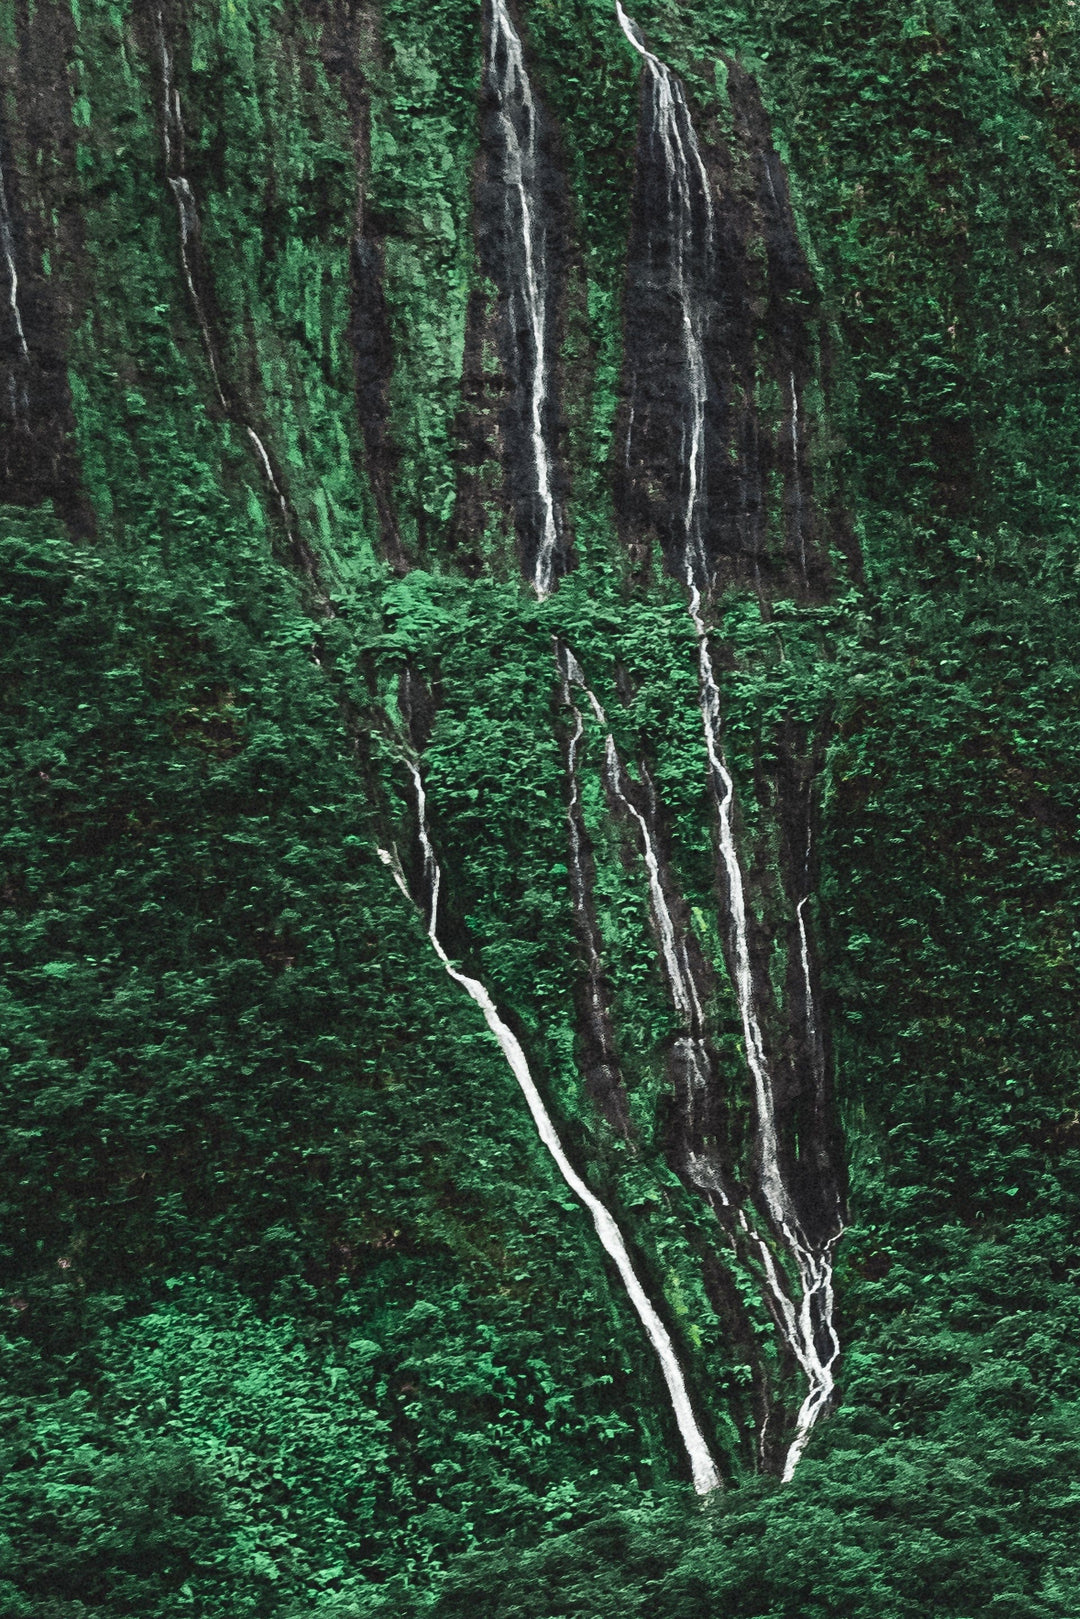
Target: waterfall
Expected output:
[516,113]
[599,1017]
[172,136]
[701,1169]
[687,183]
[673,955]
[275,487]
[688,200]
[675,961]
[7,247]
[812,1033]
[703,1469]
[796,478]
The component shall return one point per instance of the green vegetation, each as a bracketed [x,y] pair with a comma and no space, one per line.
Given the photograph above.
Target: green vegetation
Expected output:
[298,1316]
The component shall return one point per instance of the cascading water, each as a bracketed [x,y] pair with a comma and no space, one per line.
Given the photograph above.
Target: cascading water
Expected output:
[703,1469]
[797,1324]
[689,211]
[673,954]
[526,255]
[7,247]
[172,135]
[796,479]
[812,1033]
[613,1096]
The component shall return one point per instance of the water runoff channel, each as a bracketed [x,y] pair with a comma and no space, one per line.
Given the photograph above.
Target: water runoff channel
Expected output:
[809,1325]
[518,115]
[805,1321]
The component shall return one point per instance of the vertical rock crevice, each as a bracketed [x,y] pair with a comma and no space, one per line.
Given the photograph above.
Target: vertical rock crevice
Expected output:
[350,49]
[673,400]
[43,281]
[199,285]
[520,212]
[599,1057]
[720,247]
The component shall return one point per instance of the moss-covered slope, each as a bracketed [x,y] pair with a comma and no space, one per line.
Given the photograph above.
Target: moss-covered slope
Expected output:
[300,1314]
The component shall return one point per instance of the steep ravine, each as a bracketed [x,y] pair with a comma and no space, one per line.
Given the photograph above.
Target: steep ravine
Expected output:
[518,256]
[681,273]
[683,215]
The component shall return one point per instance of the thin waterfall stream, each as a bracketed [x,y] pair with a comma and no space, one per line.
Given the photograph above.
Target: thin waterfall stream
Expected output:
[796,480]
[812,1337]
[702,1170]
[703,1469]
[517,115]
[172,136]
[677,971]
[7,247]
[613,1096]
[804,959]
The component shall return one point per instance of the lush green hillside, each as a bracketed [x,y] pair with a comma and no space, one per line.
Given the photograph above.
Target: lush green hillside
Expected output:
[300,1315]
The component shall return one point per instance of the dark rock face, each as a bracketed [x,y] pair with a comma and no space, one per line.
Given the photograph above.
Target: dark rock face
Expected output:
[374,359]
[747,286]
[806,1112]
[521,230]
[41,279]
[598,1056]
[790,342]
[670,276]
[349,47]
[159,33]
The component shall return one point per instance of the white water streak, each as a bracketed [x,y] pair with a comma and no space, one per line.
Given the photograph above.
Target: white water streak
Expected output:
[804,956]
[686,173]
[577,872]
[188,216]
[814,1267]
[796,477]
[166,92]
[672,950]
[703,1468]
[679,977]
[683,992]
[172,125]
[673,954]
[506,69]
[260,449]
[7,246]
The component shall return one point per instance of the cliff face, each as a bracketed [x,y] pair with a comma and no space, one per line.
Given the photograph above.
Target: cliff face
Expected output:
[540,562]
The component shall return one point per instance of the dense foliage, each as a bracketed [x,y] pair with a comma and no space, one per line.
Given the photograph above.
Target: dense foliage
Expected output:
[298,1316]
